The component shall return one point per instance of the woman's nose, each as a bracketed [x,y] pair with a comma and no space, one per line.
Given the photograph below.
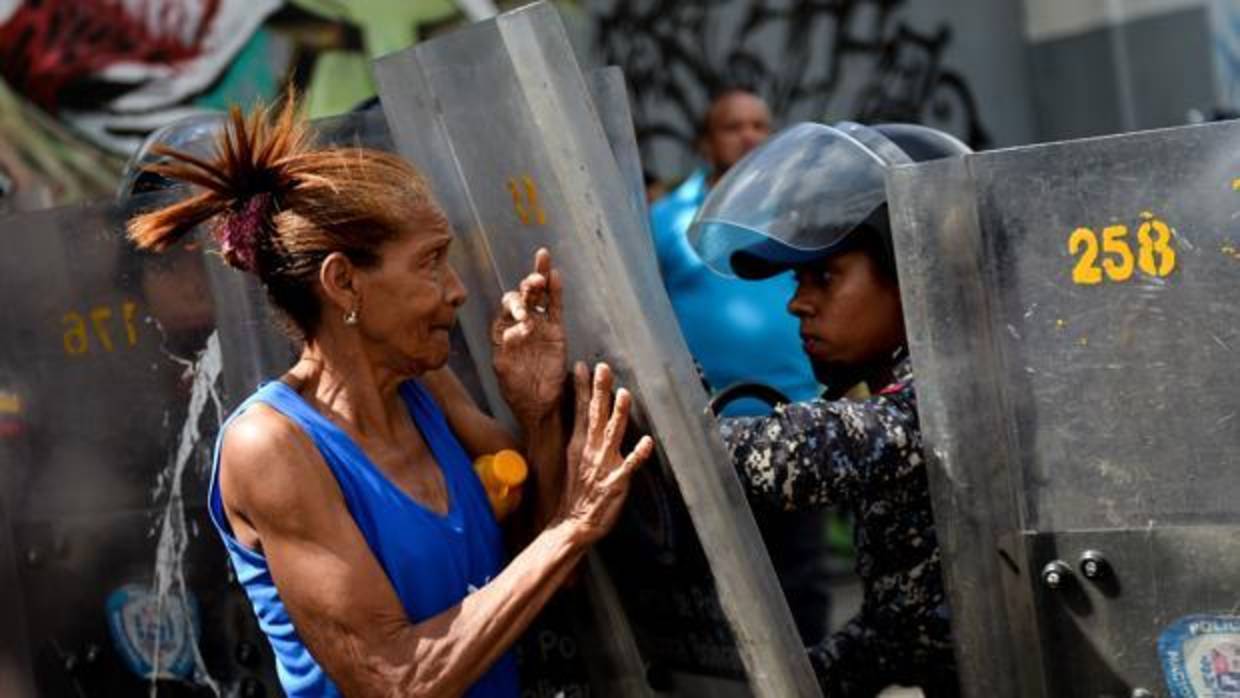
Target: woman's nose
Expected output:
[456,293]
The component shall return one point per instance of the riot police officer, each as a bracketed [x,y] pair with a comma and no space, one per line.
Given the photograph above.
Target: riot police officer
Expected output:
[813,199]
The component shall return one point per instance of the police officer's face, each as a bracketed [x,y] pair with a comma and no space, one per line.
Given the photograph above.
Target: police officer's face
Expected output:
[738,122]
[849,310]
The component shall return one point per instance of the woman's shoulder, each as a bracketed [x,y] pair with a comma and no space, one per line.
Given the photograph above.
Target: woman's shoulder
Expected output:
[265,457]
[260,430]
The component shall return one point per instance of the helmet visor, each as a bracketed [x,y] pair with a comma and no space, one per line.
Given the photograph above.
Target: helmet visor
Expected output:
[800,193]
[194,134]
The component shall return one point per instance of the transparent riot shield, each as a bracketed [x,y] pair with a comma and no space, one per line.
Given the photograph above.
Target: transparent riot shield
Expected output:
[116,370]
[1073,333]
[501,119]
[111,399]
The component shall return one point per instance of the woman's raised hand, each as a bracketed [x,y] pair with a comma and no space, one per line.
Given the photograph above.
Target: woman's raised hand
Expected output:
[598,474]
[528,345]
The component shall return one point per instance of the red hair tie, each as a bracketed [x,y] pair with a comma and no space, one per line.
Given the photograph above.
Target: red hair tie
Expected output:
[238,234]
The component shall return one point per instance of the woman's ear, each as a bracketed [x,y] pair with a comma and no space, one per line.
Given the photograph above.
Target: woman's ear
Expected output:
[339,280]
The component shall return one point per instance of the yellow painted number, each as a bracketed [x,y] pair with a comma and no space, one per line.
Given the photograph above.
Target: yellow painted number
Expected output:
[1154,256]
[524,193]
[131,332]
[1086,272]
[77,335]
[99,317]
[1155,239]
[1115,244]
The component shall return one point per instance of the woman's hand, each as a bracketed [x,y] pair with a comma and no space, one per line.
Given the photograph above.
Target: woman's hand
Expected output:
[598,474]
[528,347]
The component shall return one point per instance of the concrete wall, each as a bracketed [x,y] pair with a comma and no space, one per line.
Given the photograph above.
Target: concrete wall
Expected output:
[1225,46]
[1105,67]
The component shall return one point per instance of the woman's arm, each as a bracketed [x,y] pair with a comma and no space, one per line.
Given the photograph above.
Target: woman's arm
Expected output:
[822,453]
[274,483]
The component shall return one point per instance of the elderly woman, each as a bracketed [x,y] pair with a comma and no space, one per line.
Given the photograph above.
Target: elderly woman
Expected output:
[344,491]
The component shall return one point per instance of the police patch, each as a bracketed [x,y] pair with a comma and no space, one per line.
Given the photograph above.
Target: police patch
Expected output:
[1201,657]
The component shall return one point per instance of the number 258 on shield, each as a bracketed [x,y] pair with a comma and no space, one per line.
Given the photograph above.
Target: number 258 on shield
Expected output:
[1153,255]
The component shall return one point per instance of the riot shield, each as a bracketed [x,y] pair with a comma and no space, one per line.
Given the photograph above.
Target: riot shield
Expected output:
[501,119]
[116,370]
[111,401]
[1073,337]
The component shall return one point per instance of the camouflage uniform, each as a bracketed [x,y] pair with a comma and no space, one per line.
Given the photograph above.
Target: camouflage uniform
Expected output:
[865,456]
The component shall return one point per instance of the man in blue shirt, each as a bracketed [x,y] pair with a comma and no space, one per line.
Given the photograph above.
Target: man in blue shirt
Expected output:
[740,332]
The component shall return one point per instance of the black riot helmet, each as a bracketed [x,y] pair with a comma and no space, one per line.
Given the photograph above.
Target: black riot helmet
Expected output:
[807,193]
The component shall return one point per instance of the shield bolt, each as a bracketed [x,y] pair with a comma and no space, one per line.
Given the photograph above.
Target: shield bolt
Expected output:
[1056,574]
[1094,565]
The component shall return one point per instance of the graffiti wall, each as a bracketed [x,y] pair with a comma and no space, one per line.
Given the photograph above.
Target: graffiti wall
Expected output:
[868,60]
[81,84]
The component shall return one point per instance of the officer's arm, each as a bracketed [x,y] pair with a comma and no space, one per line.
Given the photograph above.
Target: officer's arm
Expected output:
[819,452]
[274,483]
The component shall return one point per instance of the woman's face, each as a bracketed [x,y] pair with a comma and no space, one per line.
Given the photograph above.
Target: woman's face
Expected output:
[409,301]
[849,310]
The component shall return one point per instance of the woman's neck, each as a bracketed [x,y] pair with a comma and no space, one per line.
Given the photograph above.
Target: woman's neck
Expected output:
[348,387]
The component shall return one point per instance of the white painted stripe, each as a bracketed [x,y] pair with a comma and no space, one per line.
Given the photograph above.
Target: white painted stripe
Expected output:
[1055,19]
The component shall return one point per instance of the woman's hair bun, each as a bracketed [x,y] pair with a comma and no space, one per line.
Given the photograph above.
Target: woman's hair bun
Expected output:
[254,164]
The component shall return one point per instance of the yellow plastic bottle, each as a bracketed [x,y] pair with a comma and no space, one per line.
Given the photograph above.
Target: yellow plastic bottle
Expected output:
[502,476]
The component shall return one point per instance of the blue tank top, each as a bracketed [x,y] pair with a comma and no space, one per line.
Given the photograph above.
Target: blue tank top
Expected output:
[432,561]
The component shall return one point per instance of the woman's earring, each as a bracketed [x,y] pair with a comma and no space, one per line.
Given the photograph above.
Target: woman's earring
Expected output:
[350,318]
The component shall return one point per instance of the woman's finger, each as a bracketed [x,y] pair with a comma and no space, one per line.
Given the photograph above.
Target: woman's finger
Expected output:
[555,295]
[532,289]
[514,305]
[542,261]
[639,455]
[614,433]
[600,404]
[581,391]
[516,333]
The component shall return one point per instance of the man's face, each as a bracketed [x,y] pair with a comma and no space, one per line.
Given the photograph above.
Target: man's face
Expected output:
[736,124]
